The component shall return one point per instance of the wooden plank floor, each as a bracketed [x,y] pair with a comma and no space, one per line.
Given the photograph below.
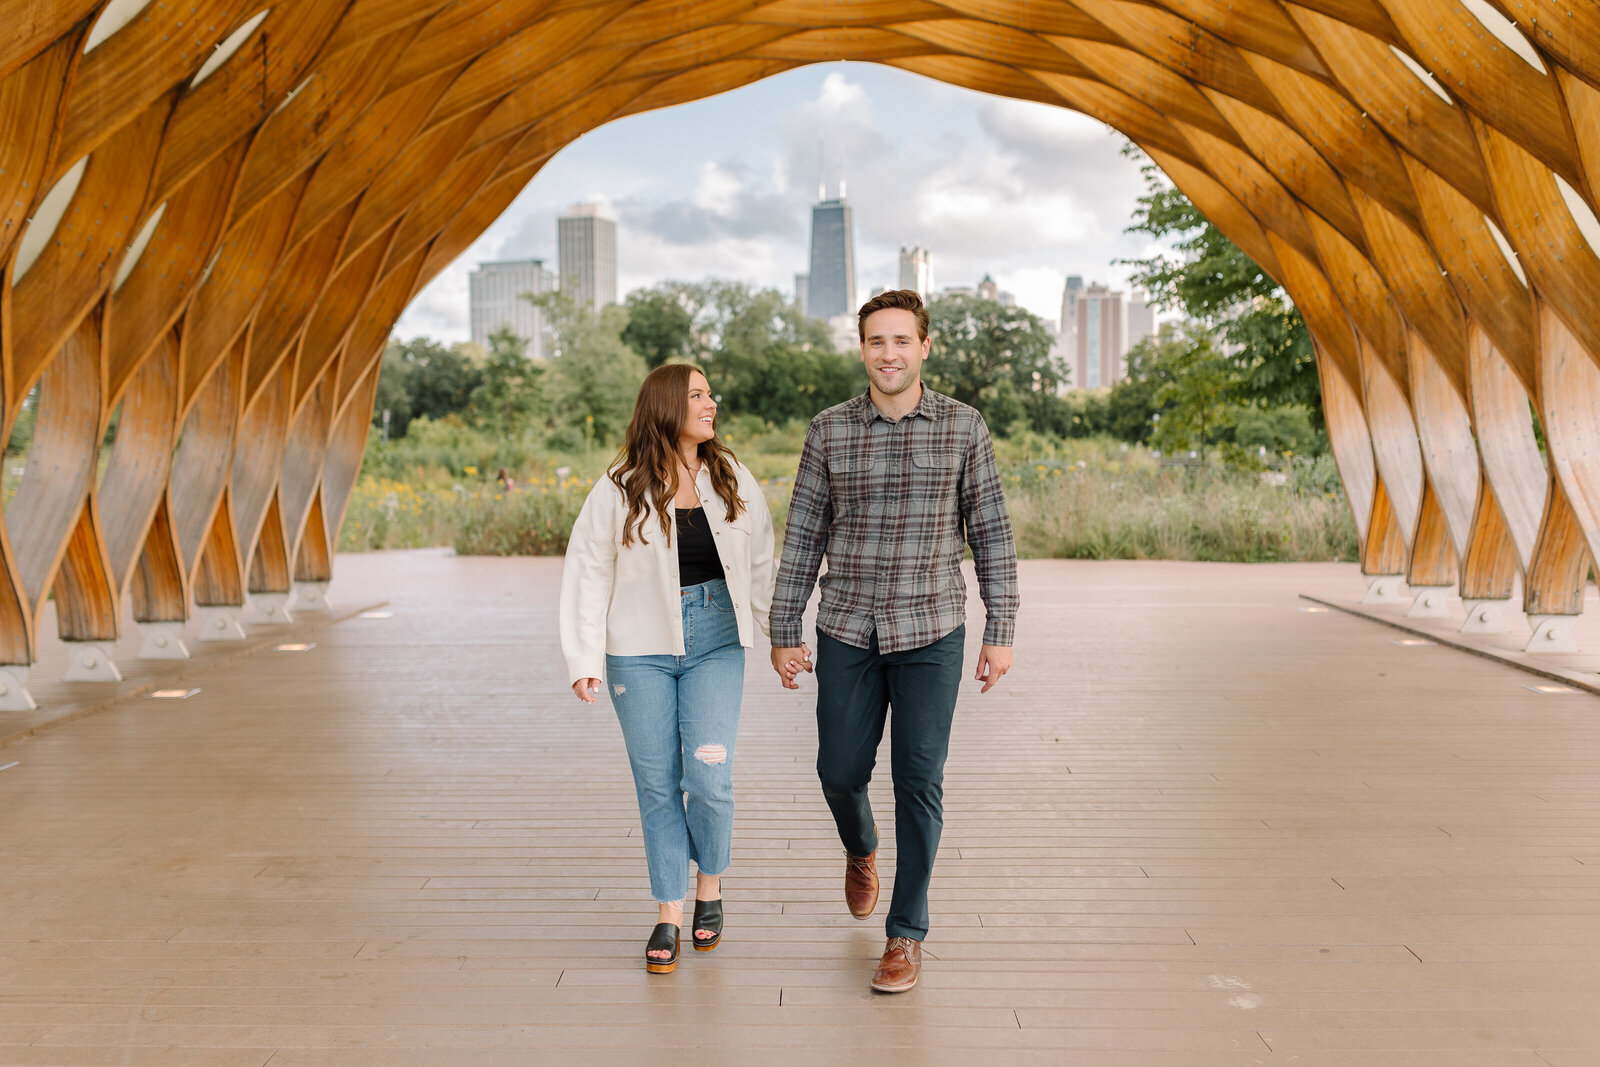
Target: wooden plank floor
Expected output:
[1198,826]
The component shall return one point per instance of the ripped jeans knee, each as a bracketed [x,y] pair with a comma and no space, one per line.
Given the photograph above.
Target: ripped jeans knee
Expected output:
[711,755]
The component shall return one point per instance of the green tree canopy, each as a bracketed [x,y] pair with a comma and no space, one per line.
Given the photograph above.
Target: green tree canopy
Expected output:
[509,399]
[1194,391]
[1213,282]
[593,376]
[761,356]
[661,324]
[996,358]
[423,377]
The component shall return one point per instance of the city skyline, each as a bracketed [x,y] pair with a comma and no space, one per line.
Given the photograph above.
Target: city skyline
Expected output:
[722,189]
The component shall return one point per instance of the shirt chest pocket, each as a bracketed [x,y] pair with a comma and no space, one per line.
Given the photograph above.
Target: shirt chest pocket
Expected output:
[935,470]
[850,477]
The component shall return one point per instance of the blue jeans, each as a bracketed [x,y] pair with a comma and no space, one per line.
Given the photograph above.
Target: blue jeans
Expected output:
[679,716]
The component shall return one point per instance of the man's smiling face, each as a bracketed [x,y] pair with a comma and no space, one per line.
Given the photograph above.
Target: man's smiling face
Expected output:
[892,351]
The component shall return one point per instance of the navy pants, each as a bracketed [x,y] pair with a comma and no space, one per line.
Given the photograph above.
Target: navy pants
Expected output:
[856,687]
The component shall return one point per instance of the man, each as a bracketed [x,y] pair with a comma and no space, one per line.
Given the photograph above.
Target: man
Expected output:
[892,486]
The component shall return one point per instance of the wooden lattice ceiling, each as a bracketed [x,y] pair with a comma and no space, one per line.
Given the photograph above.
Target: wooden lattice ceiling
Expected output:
[1419,174]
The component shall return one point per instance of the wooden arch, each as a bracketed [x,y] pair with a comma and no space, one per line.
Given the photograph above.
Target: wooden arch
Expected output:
[212,213]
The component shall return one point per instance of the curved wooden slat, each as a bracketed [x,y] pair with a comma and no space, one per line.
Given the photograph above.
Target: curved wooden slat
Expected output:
[1351,442]
[1394,444]
[258,459]
[303,456]
[269,563]
[235,283]
[169,271]
[145,60]
[158,587]
[291,296]
[260,77]
[48,21]
[76,267]
[1512,463]
[204,458]
[61,462]
[30,109]
[134,483]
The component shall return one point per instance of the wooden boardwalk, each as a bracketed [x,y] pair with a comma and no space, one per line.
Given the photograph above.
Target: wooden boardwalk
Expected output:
[1197,827]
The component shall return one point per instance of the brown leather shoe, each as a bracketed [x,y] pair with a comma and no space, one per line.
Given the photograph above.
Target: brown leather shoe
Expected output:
[861,884]
[899,967]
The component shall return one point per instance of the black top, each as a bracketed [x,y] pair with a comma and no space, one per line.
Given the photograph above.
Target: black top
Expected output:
[697,549]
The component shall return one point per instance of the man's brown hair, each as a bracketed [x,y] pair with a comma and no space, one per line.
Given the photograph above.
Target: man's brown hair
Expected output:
[905,300]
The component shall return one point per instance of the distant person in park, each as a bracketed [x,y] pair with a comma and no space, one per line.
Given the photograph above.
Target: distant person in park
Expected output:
[503,478]
[892,487]
[669,571]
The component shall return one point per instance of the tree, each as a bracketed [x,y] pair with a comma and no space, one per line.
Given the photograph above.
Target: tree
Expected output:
[1212,281]
[1194,391]
[769,360]
[422,377]
[594,376]
[761,356]
[661,323]
[509,399]
[997,359]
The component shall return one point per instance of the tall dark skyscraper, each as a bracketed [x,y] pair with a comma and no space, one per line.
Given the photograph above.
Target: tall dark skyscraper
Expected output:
[831,289]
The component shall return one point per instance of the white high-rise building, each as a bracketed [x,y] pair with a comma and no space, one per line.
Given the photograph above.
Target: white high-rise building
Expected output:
[496,297]
[1141,318]
[588,255]
[1099,355]
[916,271]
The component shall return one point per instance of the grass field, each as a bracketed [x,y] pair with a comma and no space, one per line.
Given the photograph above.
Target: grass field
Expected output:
[1073,499]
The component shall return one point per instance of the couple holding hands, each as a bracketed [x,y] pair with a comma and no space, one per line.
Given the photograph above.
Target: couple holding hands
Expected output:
[670,569]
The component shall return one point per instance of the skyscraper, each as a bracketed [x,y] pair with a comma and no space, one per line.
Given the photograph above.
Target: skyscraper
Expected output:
[831,290]
[1100,355]
[1069,315]
[916,271]
[495,299]
[802,291]
[1141,318]
[588,256]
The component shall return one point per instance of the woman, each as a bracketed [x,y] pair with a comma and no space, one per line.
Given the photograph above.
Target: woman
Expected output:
[669,570]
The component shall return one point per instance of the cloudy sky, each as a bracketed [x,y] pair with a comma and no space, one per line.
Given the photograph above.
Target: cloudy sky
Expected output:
[723,187]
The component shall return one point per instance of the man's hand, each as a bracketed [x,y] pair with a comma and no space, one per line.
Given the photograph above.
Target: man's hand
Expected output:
[993,662]
[586,688]
[789,662]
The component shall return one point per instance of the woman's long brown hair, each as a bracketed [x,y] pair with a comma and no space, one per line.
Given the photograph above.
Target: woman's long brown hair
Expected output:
[648,462]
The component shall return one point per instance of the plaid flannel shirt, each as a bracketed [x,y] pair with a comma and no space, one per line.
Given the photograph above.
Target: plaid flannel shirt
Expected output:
[893,505]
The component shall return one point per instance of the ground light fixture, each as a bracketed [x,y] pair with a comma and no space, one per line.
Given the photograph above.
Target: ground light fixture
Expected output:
[303,646]
[1551,688]
[173,694]
[375,615]
[1412,641]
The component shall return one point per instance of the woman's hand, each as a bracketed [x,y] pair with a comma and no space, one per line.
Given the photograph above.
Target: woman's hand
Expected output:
[585,689]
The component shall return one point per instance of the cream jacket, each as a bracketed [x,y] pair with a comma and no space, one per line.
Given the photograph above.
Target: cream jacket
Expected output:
[626,601]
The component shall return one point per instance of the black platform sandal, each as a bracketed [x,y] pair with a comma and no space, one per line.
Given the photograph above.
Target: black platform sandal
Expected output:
[664,938]
[707,916]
